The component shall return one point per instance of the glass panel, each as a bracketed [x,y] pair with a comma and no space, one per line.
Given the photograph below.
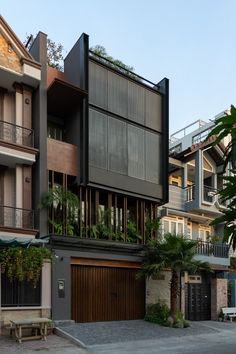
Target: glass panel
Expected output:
[135,152]
[117,146]
[153,142]
[180,228]
[97,139]
[166,226]
[173,227]
[18,293]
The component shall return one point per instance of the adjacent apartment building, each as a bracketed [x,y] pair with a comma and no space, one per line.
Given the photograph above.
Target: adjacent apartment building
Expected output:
[20,77]
[195,176]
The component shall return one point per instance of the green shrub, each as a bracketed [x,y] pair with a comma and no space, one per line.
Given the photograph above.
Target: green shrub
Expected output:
[157,313]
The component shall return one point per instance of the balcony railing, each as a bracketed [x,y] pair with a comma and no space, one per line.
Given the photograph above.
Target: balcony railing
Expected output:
[16,217]
[16,134]
[190,193]
[209,194]
[211,249]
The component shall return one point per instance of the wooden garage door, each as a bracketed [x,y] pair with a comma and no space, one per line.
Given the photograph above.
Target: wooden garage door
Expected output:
[106,294]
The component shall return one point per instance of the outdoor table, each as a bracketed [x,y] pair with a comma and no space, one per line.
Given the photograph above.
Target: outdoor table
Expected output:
[40,323]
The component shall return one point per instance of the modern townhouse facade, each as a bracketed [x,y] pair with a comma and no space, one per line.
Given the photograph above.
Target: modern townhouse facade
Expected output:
[20,77]
[195,176]
[103,134]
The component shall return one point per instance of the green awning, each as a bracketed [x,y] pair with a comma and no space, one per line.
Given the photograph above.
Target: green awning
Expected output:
[9,241]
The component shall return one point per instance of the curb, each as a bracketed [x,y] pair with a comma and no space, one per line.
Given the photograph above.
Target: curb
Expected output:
[58,331]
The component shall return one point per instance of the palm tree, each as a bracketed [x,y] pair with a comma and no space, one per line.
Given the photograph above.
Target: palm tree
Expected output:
[176,253]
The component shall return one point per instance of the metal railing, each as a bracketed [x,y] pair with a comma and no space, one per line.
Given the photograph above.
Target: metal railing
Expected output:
[16,217]
[16,134]
[211,249]
[209,194]
[123,70]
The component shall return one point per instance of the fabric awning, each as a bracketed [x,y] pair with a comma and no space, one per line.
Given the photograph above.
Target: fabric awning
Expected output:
[9,241]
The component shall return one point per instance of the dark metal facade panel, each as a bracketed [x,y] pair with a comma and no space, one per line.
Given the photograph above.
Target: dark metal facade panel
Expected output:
[117,94]
[122,183]
[98,85]
[136,103]
[153,110]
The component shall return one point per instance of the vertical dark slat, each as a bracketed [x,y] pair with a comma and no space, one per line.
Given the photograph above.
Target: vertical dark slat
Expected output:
[125,216]
[106,293]
[109,205]
[96,206]
[80,207]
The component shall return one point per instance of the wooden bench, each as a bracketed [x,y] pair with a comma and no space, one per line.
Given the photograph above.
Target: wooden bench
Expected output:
[229,312]
[37,325]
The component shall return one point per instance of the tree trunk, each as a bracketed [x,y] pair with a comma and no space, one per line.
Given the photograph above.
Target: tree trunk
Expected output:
[174,287]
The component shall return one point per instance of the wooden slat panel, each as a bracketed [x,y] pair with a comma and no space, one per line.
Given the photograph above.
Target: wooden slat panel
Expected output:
[106,263]
[106,294]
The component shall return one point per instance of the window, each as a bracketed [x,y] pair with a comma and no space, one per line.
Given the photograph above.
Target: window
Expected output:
[19,293]
[55,131]
[174,225]
[204,232]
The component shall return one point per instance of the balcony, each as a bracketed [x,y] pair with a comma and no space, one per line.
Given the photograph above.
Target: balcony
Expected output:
[210,249]
[16,218]
[16,134]
[17,145]
[62,157]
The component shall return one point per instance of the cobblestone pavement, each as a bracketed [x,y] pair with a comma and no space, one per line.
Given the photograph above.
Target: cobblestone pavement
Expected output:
[133,337]
[124,331]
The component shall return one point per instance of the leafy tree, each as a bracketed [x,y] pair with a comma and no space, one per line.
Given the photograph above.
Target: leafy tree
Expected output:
[177,254]
[226,127]
[54,52]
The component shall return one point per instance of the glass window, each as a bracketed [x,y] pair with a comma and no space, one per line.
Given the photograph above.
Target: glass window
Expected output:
[117,146]
[135,152]
[173,227]
[153,142]
[97,139]
[19,293]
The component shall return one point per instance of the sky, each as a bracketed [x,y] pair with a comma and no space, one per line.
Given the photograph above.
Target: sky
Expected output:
[191,42]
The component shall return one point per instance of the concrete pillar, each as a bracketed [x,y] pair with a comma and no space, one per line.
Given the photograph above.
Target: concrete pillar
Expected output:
[198,177]
[219,296]
[46,288]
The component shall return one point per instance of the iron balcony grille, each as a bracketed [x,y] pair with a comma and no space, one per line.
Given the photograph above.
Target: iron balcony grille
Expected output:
[16,217]
[209,194]
[16,134]
[211,249]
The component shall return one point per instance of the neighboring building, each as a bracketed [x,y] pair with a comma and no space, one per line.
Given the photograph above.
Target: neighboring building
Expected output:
[195,176]
[20,77]
[102,132]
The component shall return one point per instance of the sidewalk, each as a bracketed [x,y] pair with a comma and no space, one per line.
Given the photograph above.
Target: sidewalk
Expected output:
[53,344]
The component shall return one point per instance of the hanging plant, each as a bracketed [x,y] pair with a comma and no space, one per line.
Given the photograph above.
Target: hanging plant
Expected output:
[23,263]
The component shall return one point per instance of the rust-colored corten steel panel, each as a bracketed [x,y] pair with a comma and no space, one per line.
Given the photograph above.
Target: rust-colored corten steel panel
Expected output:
[106,294]
[62,157]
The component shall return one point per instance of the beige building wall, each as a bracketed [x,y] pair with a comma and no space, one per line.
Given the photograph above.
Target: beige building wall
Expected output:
[158,288]
[9,108]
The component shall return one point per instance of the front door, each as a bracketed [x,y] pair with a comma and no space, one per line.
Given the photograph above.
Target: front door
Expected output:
[198,302]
